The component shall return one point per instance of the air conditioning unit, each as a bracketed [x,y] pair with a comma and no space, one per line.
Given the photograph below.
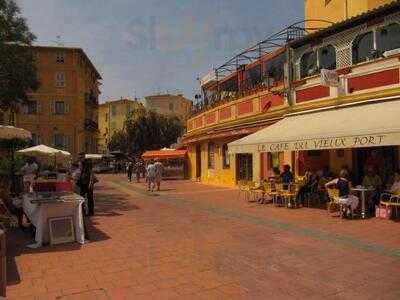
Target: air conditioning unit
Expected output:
[61,230]
[391,52]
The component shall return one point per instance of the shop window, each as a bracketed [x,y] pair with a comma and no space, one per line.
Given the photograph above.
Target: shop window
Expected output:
[363,46]
[211,155]
[314,153]
[388,37]
[225,157]
[327,57]
[308,64]
[273,160]
[275,68]
[253,77]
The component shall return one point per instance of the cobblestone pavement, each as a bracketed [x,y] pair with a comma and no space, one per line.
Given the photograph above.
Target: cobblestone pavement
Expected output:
[192,241]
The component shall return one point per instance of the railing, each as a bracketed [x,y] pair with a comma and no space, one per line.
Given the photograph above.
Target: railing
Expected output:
[91,99]
[91,125]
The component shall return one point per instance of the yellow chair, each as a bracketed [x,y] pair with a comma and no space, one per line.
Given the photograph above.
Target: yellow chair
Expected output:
[277,194]
[253,190]
[290,195]
[393,201]
[333,195]
[243,188]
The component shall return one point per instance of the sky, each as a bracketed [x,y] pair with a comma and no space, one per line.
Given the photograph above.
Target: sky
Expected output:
[144,47]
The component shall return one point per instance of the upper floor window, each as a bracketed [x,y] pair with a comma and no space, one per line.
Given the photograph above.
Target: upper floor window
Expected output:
[60,79]
[32,107]
[211,155]
[35,139]
[274,69]
[106,117]
[308,64]
[327,57]
[60,57]
[60,141]
[225,157]
[363,46]
[113,109]
[388,37]
[60,108]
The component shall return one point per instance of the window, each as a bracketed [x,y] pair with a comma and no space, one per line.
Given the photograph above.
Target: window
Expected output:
[60,57]
[59,141]
[211,155]
[171,106]
[273,160]
[113,109]
[60,79]
[225,157]
[32,107]
[327,57]
[106,117]
[363,46]
[253,77]
[35,139]
[128,109]
[274,69]
[59,108]
[327,2]
[308,64]
[388,37]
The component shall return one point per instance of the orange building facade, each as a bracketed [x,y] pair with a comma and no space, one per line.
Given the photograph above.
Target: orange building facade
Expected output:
[270,81]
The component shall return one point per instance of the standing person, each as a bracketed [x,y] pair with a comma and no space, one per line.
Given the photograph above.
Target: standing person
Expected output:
[129,170]
[151,175]
[84,182]
[286,177]
[30,170]
[138,169]
[159,171]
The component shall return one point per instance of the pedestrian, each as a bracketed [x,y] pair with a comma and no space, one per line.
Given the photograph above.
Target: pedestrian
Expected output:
[138,169]
[85,182]
[159,171]
[286,177]
[151,176]
[129,170]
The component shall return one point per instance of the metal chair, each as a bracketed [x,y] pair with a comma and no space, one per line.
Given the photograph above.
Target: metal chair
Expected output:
[333,195]
[277,194]
[290,195]
[243,188]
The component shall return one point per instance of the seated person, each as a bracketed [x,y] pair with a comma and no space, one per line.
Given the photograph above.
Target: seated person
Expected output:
[342,183]
[276,175]
[310,186]
[371,179]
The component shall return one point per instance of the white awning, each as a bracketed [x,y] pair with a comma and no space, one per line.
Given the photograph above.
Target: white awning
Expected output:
[367,125]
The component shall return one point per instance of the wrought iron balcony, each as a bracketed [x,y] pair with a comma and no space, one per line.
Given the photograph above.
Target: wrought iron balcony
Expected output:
[91,125]
[91,99]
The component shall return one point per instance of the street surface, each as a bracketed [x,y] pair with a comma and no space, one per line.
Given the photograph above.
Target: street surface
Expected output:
[192,241]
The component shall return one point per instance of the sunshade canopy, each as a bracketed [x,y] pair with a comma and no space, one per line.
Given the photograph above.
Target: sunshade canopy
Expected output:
[164,154]
[368,125]
[47,154]
[11,132]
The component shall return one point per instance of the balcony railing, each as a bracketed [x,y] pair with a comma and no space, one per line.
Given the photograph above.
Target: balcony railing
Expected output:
[91,99]
[91,125]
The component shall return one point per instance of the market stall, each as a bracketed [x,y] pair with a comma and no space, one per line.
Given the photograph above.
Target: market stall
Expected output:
[174,162]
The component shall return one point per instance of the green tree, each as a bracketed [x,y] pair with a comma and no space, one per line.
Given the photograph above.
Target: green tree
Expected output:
[146,130]
[18,73]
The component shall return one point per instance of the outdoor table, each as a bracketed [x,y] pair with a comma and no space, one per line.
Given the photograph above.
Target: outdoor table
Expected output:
[39,209]
[362,191]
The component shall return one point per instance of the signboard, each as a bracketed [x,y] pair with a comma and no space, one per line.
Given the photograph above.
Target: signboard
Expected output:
[329,78]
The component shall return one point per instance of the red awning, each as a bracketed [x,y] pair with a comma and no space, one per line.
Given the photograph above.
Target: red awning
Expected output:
[164,154]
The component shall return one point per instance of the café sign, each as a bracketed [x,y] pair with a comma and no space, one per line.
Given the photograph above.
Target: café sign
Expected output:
[331,143]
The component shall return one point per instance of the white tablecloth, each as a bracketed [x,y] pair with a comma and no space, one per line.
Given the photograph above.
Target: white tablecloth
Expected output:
[39,215]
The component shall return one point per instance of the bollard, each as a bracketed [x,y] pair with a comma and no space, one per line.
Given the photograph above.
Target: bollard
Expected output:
[3,261]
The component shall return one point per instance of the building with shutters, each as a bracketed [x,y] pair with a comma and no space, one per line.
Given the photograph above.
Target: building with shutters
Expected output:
[170,105]
[270,105]
[62,113]
[112,117]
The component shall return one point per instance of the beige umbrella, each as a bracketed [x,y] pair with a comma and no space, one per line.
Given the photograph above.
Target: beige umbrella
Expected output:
[46,154]
[11,132]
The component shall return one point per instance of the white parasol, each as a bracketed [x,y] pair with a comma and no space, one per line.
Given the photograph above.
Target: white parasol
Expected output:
[47,154]
[11,132]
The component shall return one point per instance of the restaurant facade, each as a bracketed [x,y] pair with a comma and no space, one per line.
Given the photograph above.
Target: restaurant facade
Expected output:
[322,99]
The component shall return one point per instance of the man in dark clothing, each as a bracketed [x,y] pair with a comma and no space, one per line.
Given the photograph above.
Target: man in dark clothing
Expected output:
[85,183]
[130,170]
[286,176]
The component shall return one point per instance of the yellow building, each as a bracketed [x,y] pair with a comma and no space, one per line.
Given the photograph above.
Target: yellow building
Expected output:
[112,117]
[283,90]
[62,113]
[338,10]
[172,105]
